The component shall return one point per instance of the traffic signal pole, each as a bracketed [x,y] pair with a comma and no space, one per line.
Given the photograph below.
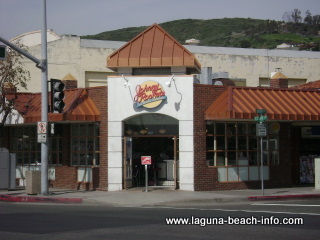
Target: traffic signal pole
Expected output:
[39,63]
[44,101]
[42,64]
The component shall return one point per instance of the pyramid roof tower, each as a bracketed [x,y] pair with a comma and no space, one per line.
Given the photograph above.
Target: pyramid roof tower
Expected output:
[153,48]
[279,75]
[69,76]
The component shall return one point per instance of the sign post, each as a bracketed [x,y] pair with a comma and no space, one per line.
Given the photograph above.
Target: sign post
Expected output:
[146,160]
[261,132]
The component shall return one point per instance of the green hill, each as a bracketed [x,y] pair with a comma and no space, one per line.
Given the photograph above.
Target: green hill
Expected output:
[226,32]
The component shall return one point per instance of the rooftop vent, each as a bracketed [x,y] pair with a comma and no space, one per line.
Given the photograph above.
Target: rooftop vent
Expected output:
[192,41]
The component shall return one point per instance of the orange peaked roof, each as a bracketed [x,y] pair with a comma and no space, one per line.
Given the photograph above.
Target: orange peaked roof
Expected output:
[153,48]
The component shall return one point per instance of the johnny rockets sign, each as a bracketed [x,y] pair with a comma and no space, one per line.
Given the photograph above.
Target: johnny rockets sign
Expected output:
[149,94]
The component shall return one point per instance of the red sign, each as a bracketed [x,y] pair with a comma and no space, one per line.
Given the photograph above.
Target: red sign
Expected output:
[42,127]
[146,160]
[149,94]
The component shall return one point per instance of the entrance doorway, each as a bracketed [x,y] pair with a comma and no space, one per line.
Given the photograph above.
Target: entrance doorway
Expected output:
[153,135]
[162,172]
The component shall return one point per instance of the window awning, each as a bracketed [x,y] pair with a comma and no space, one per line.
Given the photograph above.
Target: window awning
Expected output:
[281,104]
[79,107]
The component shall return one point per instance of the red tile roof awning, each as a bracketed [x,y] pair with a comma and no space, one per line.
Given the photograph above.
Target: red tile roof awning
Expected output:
[79,107]
[281,104]
[315,85]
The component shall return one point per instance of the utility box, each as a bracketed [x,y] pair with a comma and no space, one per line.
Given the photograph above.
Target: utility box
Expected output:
[317,173]
[12,172]
[33,182]
[4,168]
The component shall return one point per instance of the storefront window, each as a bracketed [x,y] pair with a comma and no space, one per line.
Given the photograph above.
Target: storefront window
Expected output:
[85,144]
[235,147]
[24,143]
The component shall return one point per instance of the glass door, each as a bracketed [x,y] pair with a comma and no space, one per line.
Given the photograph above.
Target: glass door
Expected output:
[127,162]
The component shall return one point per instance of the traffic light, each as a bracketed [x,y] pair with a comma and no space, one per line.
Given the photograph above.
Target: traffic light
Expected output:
[57,95]
[2,52]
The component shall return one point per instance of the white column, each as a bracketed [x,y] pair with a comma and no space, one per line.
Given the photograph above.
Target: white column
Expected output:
[186,155]
[114,156]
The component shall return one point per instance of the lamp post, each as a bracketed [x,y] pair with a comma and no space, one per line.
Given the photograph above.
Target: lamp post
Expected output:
[261,132]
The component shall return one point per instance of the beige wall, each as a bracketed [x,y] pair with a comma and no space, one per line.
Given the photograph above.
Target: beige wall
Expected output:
[66,56]
[87,62]
[300,65]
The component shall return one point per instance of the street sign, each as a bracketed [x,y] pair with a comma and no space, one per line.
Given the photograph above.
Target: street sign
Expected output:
[145,160]
[2,52]
[42,138]
[261,129]
[42,127]
[42,132]
[262,117]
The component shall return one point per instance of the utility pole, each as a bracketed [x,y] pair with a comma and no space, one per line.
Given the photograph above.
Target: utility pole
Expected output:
[43,65]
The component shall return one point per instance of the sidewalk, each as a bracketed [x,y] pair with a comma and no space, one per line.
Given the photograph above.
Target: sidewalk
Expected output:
[156,196]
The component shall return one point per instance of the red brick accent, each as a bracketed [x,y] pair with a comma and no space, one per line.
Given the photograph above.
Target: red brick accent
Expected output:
[70,84]
[206,178]
[10,90]
[279,83]
[100,97]
[66,177]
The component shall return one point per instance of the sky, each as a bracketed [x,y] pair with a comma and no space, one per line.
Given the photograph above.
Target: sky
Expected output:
[87,17]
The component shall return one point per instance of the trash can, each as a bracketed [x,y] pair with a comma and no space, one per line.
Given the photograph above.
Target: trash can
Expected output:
[33,182]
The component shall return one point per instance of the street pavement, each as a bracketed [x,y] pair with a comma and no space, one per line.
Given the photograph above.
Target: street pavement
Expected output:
[157,196]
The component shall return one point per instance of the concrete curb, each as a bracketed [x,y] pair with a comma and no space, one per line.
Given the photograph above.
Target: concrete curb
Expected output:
[11,198]
[279,197]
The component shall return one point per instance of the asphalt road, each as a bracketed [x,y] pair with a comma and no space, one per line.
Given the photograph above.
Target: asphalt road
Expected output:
[249,220]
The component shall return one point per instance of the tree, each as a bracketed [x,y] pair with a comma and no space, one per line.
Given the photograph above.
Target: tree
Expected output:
[293,16]
[287,17]
[316,20]
[296,16]
[12,74]
[308,18]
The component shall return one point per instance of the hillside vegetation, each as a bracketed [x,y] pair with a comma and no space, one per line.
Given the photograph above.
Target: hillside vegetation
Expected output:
[231,32]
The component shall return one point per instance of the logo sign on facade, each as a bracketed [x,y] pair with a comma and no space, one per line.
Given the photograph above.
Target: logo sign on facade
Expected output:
[145,160]
[149,94]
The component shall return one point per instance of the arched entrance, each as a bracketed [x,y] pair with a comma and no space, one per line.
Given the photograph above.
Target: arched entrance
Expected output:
[154,135]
